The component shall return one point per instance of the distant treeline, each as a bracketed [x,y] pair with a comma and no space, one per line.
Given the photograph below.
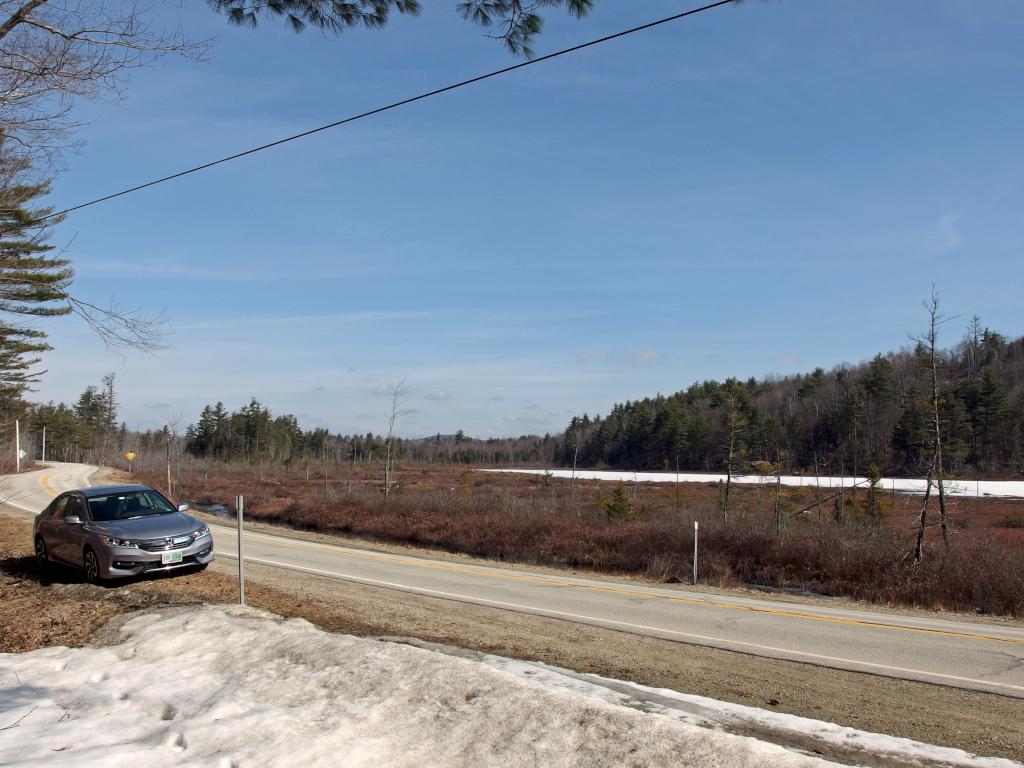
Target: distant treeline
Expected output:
[252,434]
[875,414]
[844,420]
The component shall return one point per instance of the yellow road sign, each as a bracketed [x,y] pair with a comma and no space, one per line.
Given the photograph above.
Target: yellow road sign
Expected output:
[131,455]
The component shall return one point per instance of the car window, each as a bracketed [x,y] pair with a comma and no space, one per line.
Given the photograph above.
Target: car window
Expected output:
[121,506]
[57,509]
[74,507]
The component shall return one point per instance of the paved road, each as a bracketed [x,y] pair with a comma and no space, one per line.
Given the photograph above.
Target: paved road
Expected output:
[970,655]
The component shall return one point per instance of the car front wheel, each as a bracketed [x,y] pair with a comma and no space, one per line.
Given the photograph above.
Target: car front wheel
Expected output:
[92,567]
[42,556]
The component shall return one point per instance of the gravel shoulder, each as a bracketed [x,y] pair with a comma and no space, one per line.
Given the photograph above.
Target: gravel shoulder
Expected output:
[53,607]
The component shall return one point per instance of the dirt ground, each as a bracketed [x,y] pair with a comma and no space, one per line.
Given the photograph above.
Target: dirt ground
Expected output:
[52,606]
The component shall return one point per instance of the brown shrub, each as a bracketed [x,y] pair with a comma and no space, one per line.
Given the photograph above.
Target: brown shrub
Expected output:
[521,520]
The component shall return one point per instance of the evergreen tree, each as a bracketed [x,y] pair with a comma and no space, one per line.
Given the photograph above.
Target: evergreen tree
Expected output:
[33,281]
[619,506]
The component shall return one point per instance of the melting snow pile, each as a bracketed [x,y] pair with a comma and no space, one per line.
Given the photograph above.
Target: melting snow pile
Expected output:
[227,686]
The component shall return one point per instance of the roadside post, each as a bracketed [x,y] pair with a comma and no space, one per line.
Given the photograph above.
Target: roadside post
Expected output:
[130,456]
[17,447]
[239,507]
[695,552]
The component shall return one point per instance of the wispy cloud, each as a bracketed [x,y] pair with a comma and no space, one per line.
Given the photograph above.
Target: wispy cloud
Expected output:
[590,357]
[289,321]
[643,357]
[438,397]
[948,237]
[383,389]
[169,270]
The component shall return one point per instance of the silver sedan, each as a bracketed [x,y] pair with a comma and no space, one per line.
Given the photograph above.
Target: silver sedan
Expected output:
[116,531]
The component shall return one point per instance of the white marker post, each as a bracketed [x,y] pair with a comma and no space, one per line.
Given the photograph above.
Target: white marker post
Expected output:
[17,447]
[695,552]
[239,507]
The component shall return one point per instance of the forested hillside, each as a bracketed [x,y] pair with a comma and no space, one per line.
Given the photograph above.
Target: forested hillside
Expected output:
[844,420]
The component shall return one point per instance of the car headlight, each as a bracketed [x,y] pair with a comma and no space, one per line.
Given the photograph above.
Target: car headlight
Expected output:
[204,531]
[113,541]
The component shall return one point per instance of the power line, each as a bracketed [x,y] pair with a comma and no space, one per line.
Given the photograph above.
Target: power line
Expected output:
[386,108]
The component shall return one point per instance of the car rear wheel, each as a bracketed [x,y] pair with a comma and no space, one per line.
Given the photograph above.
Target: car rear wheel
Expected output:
[42,556]
[92,567]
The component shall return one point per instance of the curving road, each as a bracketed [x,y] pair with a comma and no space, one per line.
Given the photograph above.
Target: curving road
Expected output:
[963,654]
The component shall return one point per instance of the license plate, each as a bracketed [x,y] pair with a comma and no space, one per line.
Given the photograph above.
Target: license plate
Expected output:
[167,558]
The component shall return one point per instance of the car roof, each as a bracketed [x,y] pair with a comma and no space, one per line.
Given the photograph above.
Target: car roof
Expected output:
[106,490]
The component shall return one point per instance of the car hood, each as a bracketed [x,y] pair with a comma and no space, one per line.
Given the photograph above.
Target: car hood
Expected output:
[149,527]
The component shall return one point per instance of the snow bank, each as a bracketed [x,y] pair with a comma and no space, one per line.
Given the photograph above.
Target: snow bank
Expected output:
[1009,489]
[231,687]
[700,710]
[224,686]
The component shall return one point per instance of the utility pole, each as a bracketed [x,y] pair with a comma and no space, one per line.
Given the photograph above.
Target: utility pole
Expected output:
[695,526]
[168,463]
[239,507]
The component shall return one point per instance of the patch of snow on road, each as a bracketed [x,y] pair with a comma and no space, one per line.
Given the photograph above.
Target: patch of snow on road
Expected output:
[1007,489]
[231,687]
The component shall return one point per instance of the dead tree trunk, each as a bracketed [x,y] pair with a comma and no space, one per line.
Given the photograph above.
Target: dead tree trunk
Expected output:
[734,427]
[396,403]
[934,321]
[778,493]
[919,547]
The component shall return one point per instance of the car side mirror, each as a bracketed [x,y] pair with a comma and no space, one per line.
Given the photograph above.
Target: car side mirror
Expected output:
[183,507]
[73,520]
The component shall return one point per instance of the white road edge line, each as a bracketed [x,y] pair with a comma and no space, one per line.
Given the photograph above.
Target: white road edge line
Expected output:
[864,619]
[713,641]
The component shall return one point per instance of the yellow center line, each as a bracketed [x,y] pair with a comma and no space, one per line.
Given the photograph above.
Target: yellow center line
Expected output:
[552,582]
[45,482]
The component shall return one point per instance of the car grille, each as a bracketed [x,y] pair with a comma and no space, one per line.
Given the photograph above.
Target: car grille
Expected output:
[157,566]
[166,544]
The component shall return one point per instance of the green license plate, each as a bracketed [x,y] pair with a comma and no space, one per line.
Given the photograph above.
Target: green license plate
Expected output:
[168,558]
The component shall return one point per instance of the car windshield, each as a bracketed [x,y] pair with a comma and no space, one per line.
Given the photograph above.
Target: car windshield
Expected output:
[122,506]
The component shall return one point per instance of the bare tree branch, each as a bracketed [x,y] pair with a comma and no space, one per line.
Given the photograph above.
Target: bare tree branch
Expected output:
[53,52]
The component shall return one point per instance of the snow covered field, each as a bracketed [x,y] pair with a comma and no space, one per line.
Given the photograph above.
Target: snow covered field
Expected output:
[232,687]
[1008,489]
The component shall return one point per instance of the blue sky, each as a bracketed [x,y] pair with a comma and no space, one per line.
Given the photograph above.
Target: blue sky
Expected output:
[758,189]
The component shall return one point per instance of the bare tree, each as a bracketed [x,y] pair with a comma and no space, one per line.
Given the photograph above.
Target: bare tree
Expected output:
[53,52]
[109,412]
[735,423]
[398,391]
[934,474]
[170,431]
[120,327]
